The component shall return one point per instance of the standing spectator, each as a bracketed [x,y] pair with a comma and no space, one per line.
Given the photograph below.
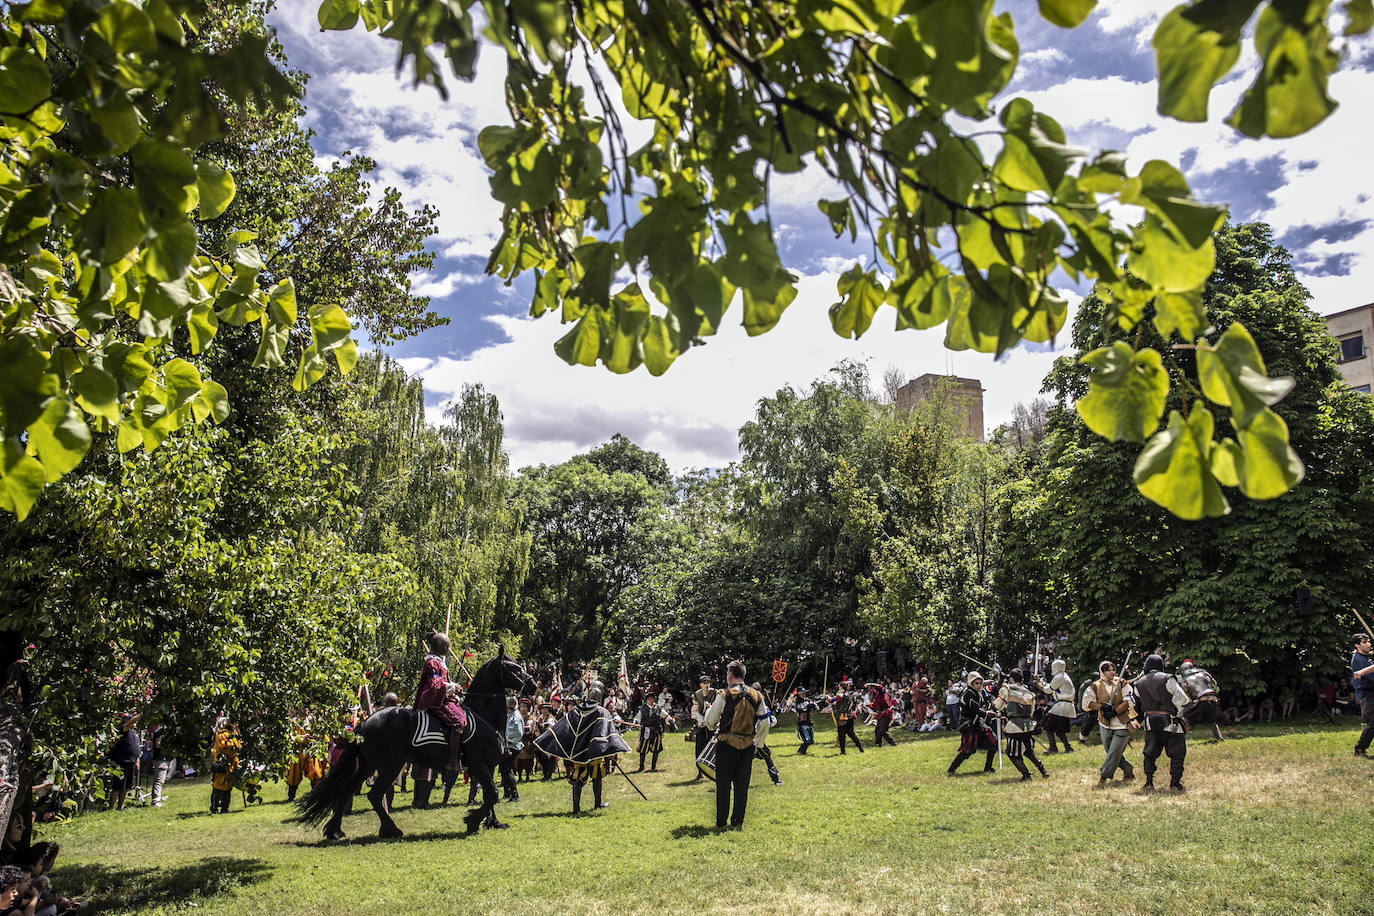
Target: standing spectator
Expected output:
[125,753]
[736,710]
[951,705]
[224,764]
[1362,677]
[515,740]
[159,738]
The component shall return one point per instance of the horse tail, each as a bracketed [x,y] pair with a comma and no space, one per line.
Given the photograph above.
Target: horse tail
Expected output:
[338,784]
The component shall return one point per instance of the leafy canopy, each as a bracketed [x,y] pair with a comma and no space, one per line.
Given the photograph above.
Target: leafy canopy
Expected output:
[105,109]
[876,94]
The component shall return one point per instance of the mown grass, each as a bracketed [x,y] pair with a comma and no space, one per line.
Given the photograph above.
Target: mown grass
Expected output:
[1273,822]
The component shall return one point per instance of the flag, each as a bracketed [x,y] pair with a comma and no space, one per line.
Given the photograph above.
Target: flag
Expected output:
[624,679]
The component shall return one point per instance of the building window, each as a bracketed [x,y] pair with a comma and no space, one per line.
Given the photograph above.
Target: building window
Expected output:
[1363,389]
[1352,347]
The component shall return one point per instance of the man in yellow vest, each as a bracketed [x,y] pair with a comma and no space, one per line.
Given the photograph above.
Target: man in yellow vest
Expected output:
[735,710]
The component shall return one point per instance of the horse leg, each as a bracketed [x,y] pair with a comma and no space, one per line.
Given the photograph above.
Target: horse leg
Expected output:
[378,797]
[489,797]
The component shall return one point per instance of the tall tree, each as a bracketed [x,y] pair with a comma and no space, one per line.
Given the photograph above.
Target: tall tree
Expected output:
[1223,590]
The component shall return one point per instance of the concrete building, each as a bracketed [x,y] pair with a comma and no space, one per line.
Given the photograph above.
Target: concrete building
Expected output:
[1354,331]
[965,398]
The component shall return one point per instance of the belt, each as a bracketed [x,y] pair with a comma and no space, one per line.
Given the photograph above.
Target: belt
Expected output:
[1209,698]
[1159,712]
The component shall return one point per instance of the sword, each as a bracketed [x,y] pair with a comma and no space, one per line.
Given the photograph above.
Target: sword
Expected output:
[630,781]
[975,661]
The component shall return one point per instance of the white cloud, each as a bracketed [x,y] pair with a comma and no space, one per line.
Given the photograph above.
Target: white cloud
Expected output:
[437,287]
[1137,16]
[691,414]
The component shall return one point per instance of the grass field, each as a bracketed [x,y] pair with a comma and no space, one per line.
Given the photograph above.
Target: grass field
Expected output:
[1273,822]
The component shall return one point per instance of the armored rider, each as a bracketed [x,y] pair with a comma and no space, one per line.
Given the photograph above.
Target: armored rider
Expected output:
[1162,699]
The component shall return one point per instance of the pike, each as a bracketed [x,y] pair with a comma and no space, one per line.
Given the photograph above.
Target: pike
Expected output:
[1360,617]
[975,661]
[629,780]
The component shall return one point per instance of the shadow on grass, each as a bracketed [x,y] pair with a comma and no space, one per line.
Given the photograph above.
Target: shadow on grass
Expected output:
[373,838]
[693,831]
[110,888]
[545,814]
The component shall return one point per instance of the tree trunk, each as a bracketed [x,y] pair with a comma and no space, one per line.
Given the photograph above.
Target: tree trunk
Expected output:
[15,717]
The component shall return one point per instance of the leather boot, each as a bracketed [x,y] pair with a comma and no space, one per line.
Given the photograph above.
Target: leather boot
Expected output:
[422,789]
[577,797]
[455,751]
[596,795]
[291,792]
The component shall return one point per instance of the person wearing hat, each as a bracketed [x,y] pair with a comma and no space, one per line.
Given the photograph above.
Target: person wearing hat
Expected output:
[1162,700]
[1113,701]
[701,702]
[973,727]
[804,706]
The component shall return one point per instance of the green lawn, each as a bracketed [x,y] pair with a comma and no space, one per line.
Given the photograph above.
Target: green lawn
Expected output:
[1274,822]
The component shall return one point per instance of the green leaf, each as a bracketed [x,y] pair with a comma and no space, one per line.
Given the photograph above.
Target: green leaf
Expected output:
[841,217]
[1289,95]
[660,350]
[1359,16]
[1195,46]
[126,28]
[751,255]
[281,303]
[861,294]
[1067,13]
[201,324]
[216,188]
[1182,313]
[1232,374]
[339,15]
[117,117]
[1126,392]
[1166,263]
[165,21]
[1034,155]
[112,225]
[346,355]
[213,402]
[97,393]
[165,179]
[182,381]
[24,81]
[59,437]
[21,480]
[630,312]
[1163,189]
[329,325]
[1268,467]
[312,368]
[170,251]
[582,345]
[25,383]
[928,299]
[763,307]
[271,346]
[1174,468]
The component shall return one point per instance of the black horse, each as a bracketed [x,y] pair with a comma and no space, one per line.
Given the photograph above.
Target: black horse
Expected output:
[384,743]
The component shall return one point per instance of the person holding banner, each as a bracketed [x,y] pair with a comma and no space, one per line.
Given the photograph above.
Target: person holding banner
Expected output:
[735,710]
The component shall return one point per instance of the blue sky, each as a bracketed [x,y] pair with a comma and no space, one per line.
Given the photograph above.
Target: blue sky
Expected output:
[1096,80]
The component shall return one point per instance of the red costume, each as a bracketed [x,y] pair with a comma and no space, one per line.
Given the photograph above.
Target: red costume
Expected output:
[432,694]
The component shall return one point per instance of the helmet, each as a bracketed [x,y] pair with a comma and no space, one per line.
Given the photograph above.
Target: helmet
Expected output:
[1154,662]
[596,691]
[1187,667]
[1058,666]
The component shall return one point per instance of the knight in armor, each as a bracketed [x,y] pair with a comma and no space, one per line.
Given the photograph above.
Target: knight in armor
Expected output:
[1062,710]
[735,710]
[1016,702]
[1162,699]
[587,740]
[651,721]
[804,707]
[1203,694]
[973,727]
[701,702]
[434,694]
[1111,698]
